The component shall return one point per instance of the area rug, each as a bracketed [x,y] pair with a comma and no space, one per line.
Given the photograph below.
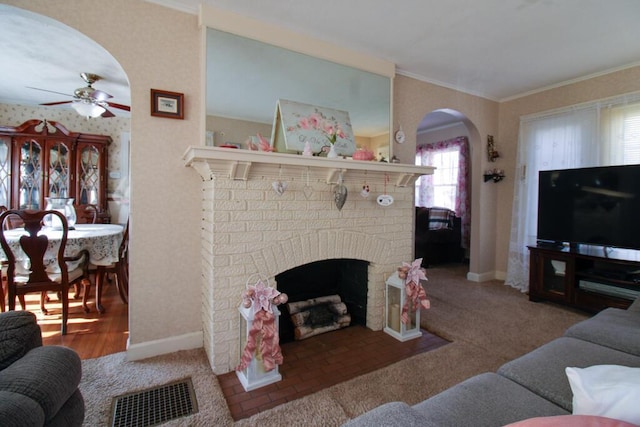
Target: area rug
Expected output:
[488,324]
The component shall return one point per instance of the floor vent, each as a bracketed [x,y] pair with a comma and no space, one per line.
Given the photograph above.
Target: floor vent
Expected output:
[155,405]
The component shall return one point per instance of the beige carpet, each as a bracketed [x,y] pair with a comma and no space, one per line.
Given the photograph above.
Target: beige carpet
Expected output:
[489,324]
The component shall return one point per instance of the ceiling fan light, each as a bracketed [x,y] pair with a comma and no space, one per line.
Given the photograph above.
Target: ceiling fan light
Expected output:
[88,109]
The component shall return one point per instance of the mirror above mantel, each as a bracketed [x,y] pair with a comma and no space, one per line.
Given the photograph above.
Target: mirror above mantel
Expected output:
[251,65]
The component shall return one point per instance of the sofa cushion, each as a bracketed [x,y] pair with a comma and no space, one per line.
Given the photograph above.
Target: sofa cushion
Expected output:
[606,390]
[612,327]
[389,415]
[543,370]
[571,421]
[18,410]
[485,400]
[49,375]
[19,333]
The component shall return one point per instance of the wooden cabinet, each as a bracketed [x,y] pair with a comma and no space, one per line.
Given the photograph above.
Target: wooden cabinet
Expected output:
[41,159]
[585,277]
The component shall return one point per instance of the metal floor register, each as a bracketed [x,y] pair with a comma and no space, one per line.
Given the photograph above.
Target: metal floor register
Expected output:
[155,405]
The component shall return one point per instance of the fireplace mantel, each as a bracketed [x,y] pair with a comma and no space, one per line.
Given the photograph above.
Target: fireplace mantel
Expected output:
[239,164]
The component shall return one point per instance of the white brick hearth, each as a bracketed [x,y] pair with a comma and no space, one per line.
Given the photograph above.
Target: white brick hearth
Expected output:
[247,228]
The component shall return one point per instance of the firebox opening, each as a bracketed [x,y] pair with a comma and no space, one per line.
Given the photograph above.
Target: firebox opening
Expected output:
[348,278]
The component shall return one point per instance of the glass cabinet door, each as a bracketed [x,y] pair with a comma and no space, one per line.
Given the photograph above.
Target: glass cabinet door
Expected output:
[30,185]
[58,181]
[551,275]
[554,276]
[89,179]
[5,171]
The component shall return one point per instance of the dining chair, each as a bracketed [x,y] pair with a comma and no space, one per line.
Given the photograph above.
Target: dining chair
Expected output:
[3,275]
[120,270]
[86,214]
[29,269]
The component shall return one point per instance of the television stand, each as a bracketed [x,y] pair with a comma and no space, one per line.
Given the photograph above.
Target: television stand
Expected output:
[583,277]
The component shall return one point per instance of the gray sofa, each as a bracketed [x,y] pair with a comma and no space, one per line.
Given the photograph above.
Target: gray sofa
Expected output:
[533,385]
[38,384]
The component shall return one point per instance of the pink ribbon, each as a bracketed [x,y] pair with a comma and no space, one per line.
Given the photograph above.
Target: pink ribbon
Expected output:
[416,296]
[264,329]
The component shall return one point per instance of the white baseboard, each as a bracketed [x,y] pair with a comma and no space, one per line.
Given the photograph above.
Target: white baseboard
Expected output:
[485,277]
[163,346]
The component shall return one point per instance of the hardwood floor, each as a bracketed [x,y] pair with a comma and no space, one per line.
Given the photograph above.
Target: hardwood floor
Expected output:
[89,334]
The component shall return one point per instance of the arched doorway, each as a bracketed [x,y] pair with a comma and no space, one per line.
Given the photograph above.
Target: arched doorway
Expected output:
[443,140]
[42,65]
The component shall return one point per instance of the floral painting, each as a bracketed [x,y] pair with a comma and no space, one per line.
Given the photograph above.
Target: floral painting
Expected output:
[318,126]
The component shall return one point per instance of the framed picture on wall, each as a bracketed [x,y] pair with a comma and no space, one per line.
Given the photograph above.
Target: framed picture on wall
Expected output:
[167,104]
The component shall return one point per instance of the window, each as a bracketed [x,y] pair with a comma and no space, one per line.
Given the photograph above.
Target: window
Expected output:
[448,186]
[622,144]
[444,183]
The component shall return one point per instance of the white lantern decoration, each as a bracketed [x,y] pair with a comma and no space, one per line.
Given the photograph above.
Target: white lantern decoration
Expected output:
[259,336]
[254,375]
[396,300]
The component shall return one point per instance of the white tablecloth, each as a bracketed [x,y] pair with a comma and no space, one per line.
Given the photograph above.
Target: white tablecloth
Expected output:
[102,241]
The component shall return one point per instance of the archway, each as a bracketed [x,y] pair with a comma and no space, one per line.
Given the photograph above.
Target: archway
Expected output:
[52,75]
[447,130]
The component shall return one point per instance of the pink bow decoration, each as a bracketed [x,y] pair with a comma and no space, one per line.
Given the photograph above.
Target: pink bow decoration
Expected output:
[264,144]
[263,334]
[415,293]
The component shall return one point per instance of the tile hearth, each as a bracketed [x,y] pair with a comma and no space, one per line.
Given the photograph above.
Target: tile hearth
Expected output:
[323,361]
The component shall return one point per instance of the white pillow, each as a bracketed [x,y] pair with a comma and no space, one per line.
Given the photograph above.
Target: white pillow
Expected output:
[606,390]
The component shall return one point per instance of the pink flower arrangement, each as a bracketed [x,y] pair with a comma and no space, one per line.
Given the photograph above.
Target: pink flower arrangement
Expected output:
[317,121]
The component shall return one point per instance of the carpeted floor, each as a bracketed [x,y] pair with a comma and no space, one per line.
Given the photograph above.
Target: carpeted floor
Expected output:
[489,324]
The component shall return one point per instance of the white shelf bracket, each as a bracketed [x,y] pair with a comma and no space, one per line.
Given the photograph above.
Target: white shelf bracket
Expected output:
[204,170]
[240,171]
[405,179]
[334,175]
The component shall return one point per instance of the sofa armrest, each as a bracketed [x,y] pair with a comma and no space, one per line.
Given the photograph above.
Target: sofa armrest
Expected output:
[48,375]
[19,333]
[19,411]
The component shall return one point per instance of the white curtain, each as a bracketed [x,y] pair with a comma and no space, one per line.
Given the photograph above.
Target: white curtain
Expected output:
[559,141]
[621,134]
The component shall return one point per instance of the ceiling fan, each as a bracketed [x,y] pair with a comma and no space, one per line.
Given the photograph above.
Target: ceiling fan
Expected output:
[89,102]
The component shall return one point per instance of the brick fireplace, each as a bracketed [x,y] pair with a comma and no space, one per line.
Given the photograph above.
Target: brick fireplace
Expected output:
[248,229]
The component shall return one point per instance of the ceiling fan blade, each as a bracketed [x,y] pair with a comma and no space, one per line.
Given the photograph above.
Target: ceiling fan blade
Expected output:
[99,95]
[119,106]
[57,103]
[107,114]
[45,90]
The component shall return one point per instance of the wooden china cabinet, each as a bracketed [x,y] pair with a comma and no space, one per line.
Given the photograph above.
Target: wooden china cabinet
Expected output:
[42,158]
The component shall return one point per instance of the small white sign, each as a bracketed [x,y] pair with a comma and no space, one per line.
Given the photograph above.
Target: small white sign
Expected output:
[385,200]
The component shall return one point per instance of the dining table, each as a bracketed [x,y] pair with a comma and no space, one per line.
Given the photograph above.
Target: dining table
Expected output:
[101,241]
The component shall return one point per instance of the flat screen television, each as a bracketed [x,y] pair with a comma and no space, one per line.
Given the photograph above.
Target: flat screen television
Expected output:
[596,206]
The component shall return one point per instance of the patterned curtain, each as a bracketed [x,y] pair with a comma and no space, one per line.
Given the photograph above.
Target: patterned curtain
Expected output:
[461,198]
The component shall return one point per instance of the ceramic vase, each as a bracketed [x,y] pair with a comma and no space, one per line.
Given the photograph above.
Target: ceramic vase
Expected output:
[332,152]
